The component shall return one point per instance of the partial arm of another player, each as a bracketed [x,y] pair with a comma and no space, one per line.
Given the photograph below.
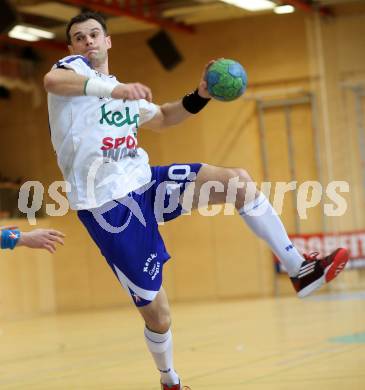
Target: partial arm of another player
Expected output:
[47,239]
[170,114]
[66,82]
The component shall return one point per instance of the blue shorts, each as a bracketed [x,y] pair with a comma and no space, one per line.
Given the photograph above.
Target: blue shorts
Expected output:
[126,230]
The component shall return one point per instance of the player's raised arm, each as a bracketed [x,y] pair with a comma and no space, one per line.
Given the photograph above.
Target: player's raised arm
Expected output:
[170,114]
[68,83]
[64,82]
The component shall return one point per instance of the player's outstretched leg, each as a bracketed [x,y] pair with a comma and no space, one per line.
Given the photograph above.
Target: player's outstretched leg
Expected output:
[158,338]
[307,272]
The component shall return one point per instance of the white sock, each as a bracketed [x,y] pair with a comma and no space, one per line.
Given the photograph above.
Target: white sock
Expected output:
[262,218]
[160,345]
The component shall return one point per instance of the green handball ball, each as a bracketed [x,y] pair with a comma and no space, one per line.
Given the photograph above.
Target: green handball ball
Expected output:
[226,80]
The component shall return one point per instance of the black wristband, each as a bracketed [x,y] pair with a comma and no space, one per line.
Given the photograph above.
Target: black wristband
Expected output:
[193,102]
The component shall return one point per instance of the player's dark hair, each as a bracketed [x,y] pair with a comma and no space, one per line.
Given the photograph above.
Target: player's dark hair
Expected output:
[83,17]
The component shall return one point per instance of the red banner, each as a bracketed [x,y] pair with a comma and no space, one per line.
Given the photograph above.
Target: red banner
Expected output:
[325,243]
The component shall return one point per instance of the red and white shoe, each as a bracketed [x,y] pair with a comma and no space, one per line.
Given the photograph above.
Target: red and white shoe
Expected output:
[174,387]
[315,272]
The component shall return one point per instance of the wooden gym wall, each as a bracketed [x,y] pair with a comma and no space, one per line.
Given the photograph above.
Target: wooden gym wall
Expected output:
[212,257]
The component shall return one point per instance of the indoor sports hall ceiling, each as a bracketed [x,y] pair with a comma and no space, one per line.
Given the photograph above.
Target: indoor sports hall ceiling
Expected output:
[137,15]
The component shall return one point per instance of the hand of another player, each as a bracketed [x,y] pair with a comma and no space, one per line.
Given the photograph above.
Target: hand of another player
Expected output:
[41,239]
[203,87]
[132,91]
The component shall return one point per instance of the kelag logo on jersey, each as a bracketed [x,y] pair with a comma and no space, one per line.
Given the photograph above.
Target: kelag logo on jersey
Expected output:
[116,118]
[116,148]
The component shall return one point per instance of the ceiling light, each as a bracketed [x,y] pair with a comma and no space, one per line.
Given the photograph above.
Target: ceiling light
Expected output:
[22,35]
[252,5]
[284,9]
[40,33]
[30,34]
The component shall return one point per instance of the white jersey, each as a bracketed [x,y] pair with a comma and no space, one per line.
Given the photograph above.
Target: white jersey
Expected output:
[96,141]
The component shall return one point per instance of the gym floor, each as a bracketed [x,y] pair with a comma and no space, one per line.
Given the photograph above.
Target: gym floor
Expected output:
[272,344]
